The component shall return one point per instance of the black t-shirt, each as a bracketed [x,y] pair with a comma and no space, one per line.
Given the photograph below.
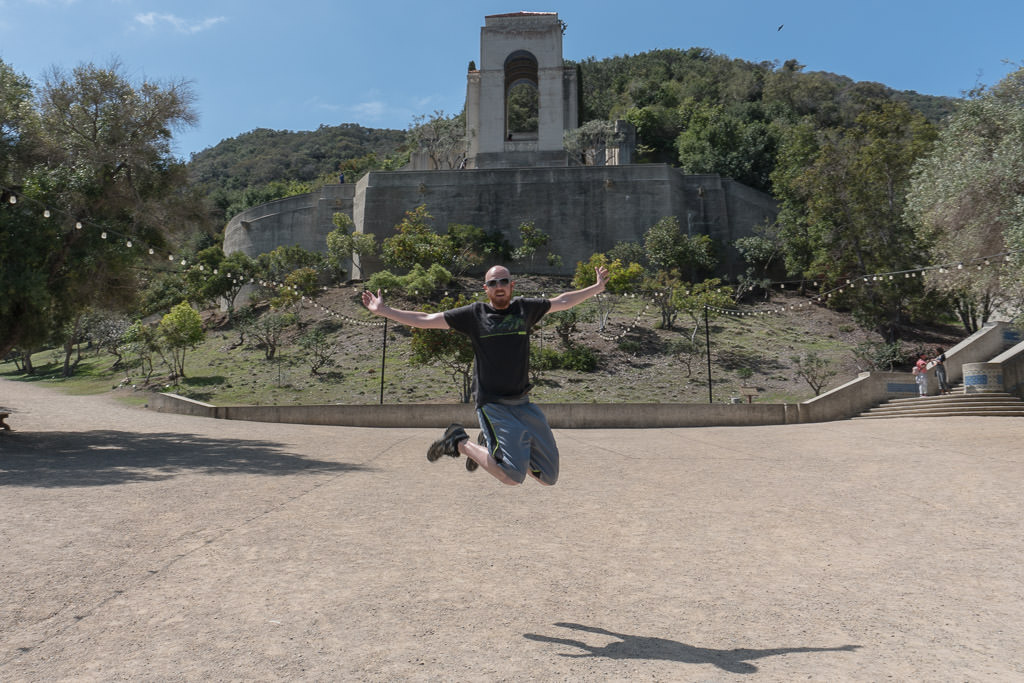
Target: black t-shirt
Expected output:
[501,344]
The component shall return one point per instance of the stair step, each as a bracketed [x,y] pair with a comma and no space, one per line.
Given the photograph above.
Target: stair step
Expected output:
[955,397]
[956,413]
[942,404]
[995,404]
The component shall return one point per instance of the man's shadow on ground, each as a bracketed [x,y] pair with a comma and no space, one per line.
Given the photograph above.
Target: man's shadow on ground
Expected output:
[641,647]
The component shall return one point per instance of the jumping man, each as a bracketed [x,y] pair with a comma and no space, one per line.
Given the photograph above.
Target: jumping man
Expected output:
[518,440]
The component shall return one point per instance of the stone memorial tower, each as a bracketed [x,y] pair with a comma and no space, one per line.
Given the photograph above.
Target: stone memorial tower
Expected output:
[523,98]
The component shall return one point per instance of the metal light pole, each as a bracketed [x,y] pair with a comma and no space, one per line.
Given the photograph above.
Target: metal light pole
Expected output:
[707,345]
[383,358]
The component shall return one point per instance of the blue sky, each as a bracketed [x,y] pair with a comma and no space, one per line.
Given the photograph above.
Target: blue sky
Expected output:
[300,64]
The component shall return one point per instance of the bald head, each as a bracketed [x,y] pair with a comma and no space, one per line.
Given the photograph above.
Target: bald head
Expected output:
[498,286]
[497,272]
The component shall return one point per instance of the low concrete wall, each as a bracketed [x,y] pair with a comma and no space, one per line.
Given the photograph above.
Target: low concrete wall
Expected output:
[560,415]
[856,396]
[1012,362]
[980,347]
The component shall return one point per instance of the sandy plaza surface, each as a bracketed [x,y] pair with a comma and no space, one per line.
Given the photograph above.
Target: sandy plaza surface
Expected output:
[140,546]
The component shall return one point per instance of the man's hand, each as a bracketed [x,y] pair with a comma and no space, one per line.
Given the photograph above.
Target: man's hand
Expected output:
[373,304]
[602,276]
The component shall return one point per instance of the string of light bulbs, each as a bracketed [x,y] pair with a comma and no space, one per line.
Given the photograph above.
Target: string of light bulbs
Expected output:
[12,197]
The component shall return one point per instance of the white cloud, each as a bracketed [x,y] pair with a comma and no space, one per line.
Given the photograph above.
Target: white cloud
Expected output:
[316,102]
[153,20]
[371,110]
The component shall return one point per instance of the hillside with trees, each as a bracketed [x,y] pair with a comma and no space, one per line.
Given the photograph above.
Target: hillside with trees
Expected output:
[263,164]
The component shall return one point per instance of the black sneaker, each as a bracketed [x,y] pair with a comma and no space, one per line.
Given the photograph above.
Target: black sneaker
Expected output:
[447,444]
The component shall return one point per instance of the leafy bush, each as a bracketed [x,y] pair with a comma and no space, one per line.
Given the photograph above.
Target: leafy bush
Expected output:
[579,358]
[415,242]
[419,283]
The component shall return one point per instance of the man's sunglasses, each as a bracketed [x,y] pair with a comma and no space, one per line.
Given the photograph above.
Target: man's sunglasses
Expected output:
[494,283]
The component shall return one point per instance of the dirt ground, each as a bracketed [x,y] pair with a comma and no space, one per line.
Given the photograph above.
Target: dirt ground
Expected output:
[152,547]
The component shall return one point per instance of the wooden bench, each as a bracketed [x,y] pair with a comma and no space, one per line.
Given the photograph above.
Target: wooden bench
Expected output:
[4,425]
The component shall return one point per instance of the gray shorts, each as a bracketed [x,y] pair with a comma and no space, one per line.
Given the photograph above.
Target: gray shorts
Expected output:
[519,438]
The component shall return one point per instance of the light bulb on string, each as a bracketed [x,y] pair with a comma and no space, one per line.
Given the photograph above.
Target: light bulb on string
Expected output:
[78,225]
[103,235]
[12,199]
[46,213]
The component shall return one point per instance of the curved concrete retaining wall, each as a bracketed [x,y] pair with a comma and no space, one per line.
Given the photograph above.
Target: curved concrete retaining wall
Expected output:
[560,415]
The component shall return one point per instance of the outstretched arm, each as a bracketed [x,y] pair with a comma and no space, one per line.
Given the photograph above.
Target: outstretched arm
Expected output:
[375,304]
[567,300]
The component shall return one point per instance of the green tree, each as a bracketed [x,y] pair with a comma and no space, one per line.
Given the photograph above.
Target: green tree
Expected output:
[474,247]
[703,298]
[415,242]
[814,369]
[852,200]
[760,252]
[669,249]
[267,330]
[345,244]
[736,142]
[203,278]
[532,238]
[19,125]
[447,348]
[180,330]
[667,289]
[591,140]
[965,201]
[95,150]
[276,265]
[523,108]
[319,349]
[140,345]
[235,272]
[621,280]
[442,138]
[302,282]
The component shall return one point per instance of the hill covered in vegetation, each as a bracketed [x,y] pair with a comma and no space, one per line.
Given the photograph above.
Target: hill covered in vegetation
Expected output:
[701,111]
[263,164]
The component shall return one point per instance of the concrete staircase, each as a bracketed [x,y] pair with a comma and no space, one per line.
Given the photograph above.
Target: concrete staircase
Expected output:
[957,404]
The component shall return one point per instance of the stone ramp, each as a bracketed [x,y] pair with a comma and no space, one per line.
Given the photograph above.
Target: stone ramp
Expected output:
[145,546]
